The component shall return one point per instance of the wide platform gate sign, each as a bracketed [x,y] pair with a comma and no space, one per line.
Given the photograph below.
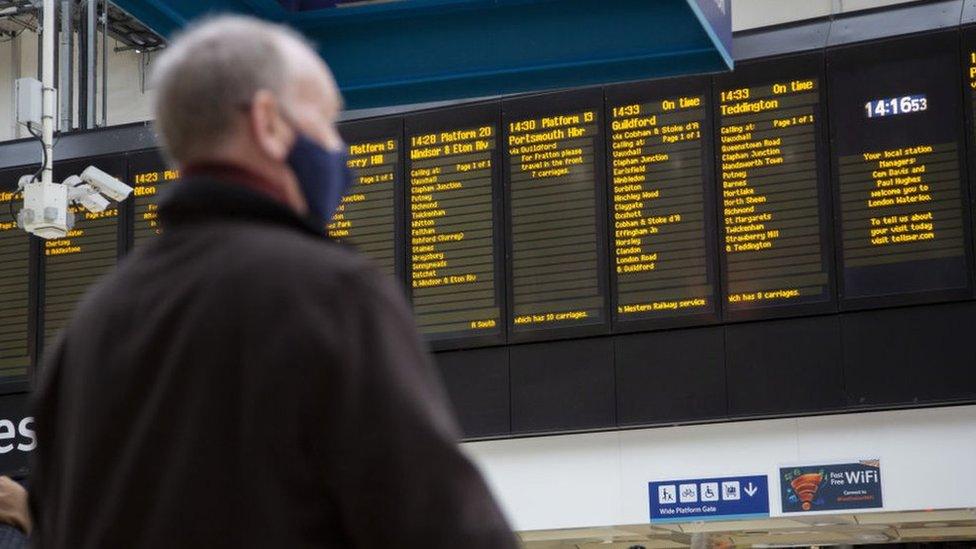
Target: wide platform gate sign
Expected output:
[709,498]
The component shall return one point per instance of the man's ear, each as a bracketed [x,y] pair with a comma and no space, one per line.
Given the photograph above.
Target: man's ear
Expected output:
[267,126]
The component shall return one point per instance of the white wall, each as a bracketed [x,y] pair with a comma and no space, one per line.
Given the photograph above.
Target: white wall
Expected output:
[749,14]
[601,479]
[6,90]
[127,101]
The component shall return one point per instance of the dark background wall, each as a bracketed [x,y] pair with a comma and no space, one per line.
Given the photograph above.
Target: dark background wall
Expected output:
[919,355]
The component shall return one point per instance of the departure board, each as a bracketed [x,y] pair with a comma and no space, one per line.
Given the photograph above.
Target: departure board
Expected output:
[661,195]
[898,154]
[774,211]
[556,188]
[969,83]
[15,275]
[90,250]
[454,239]
[149,178]
[367,216]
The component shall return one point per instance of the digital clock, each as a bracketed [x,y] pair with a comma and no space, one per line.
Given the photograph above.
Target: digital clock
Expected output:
[892,106]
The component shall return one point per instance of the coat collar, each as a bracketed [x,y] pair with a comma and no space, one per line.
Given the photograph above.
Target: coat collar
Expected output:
[196,199]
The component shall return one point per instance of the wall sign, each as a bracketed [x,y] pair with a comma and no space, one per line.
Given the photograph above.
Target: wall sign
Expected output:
[709,498]
[831,487]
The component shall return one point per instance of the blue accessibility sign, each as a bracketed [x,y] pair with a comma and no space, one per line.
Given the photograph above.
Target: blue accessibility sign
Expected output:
[709,498]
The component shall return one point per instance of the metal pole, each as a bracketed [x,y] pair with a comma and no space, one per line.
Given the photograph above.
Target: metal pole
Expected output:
[105,63]
[80,69]
[47,93]
[66,51]
[90,46]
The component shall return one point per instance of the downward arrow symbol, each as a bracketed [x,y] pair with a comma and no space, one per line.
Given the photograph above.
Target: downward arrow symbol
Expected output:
[751,490]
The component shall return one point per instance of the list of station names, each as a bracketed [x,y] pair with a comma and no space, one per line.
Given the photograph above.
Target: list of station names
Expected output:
[146,188]
[770,201]
[555,241]
[901,204]
[366,216]
[14,294]
[659,226]
[451,231]
[75,262]
[971,82]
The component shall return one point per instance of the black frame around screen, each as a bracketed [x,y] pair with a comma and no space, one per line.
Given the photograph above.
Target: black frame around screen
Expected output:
[139,162]
[647,373]
[8,181]
[763,72]
[656,90]
[114,165]
[893,51]
[547,105]
[967,39]
[384,128]
[479,114]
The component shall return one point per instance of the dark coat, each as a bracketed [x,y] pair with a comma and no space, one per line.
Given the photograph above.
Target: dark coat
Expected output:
[244,382]
[12,538]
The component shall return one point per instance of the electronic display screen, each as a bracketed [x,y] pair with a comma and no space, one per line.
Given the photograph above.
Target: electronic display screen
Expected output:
[454,240]
[969,66]
[898,161]
[367,217]
[969,82]
[556,189]
[772,178]
[969,97]
[15,276]
[661,196]
[90,250]
[149,177]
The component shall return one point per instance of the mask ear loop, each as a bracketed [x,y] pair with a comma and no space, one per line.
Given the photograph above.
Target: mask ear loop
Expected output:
[245,108]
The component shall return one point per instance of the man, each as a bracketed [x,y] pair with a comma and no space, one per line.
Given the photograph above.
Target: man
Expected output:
[241,381]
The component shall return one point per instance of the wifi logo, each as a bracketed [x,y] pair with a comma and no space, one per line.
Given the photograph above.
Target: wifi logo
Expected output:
[832,487]
[805,487]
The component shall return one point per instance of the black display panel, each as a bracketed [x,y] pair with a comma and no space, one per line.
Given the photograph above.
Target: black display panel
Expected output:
[556,214]
[477,381]
[969,99]
[898,162]
[16,311]
[89,251]
[368,216]
[149,177]
[891,344]
[453,213]
[662,204]
[774,210]
[785,366]
[670,376]
[562,385]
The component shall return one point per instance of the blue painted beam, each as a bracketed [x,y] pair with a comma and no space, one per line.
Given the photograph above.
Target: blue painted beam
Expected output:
[426,50]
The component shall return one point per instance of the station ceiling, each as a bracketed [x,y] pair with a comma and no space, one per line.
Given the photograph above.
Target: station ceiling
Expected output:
[414,51]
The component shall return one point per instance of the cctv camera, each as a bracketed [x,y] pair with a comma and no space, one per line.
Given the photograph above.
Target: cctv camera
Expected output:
[85,194]
[106,184]
[93,202]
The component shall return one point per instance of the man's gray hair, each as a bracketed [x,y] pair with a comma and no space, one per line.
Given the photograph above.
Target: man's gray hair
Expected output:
[210,72]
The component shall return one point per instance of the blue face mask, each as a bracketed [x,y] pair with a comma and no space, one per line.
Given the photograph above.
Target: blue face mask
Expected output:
[322,175]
